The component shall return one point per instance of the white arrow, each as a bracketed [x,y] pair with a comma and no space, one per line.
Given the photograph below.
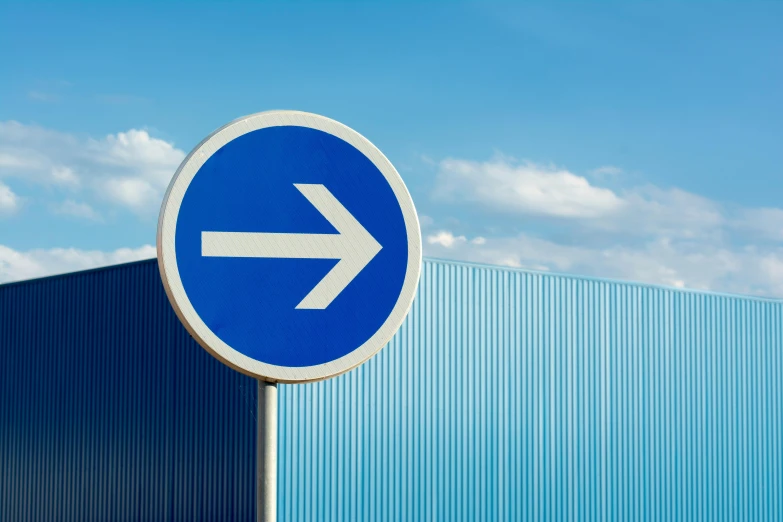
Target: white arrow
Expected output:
[352,245]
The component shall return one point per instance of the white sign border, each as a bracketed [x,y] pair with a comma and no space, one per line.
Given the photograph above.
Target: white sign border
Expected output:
[167,258]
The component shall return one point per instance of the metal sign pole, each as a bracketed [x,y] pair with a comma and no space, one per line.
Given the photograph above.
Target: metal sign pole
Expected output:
[266,453]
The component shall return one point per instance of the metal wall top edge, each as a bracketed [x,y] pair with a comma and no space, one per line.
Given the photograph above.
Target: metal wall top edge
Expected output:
[469,264]
[78,272]
[579,277]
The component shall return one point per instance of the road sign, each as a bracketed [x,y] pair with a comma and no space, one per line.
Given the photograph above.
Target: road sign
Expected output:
[289,246]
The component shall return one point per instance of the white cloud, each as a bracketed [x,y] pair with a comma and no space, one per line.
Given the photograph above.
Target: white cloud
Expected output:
[672,212]
[34,152]
[135,193]
[766,222]
[64,176]
[72,208]
[15,265]
[642,233]
[9,202]
[131,169]
[660,261]
[525,188]
[153,159]
[504,186]
[10,161]
[445,239]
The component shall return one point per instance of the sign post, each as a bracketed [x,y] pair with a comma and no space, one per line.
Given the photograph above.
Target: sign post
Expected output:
[290,249]
[266,453]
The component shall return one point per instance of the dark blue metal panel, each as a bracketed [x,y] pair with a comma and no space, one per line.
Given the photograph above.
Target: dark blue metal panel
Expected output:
[506,395]
[110,411]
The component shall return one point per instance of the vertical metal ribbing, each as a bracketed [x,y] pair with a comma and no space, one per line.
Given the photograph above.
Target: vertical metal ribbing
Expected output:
[110,411]
[506,395]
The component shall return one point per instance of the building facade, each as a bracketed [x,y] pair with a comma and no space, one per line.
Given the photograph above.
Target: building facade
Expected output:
[506,395]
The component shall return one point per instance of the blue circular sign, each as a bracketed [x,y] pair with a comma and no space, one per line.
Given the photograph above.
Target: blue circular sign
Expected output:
[289,246]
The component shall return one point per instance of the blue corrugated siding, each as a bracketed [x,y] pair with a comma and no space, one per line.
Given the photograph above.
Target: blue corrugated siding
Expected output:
[110,412]
[516,396]
[506,395]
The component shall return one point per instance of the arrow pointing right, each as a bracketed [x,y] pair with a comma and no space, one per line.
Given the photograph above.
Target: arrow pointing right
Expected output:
[353,245]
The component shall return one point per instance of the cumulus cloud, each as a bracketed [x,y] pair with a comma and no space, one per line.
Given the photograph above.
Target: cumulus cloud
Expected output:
[644,233]
[445,239]
[766,222]
[64,176]
[16,265]
[671,212]
[9,201]
[701,266]
[130,169]
[525,188]
[135,193]
[503,185]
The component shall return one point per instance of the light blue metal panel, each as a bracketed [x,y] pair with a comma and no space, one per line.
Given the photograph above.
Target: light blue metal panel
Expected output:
[510,395]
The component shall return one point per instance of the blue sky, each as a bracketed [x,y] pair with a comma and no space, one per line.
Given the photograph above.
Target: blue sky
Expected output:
[622,140]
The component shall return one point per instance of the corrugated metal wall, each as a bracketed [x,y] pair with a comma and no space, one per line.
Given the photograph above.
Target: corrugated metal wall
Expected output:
[110,412]
[506,396]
